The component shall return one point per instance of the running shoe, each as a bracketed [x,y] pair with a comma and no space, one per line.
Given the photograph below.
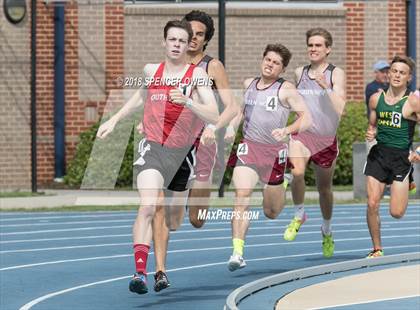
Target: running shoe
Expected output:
[375,253]
[412,189]
[293,228]
[327,245]
[236,262]
[161,281]
[138,283]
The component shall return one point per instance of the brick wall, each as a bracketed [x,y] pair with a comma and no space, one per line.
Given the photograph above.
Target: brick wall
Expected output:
[397,20]
[247,34]
[376,36]
[93,57]
[15,116]
[355,67]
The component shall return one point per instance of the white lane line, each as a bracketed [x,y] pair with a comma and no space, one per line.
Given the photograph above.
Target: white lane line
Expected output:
[368,301]
[384,223]
[201,250]
[226,222]
[69,223]
[62,230]
[65,238]
[54,217]
[308,208]
[38,300]
[198,239]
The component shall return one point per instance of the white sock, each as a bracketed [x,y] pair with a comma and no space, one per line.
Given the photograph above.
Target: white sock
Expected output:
[326,227]
[299,211]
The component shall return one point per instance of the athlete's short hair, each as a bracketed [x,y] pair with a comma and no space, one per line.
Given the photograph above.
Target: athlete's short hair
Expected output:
[178,24]
[280,49]
[405,59]
[205,19]
[320,32]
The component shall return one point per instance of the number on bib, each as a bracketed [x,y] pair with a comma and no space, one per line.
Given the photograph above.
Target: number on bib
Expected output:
[396,119]
[272,103]
[242,149]
[282,156]
[185,89]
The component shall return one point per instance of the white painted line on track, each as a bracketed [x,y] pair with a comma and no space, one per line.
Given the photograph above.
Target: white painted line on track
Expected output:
[226,222]
[88,246]
[308,209]
[201,250]
[54,216]
[38,300]
[384,224]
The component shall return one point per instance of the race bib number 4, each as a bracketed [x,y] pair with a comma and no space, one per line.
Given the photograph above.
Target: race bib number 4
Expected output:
[282,156]
[242,149]
[272,103]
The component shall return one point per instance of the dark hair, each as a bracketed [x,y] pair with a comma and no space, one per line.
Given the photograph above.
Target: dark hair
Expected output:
[205,19]
[407,60]
[178,24]
[320,32]
[280,49]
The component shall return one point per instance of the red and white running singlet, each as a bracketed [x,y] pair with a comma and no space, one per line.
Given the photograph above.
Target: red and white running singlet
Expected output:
[165,122]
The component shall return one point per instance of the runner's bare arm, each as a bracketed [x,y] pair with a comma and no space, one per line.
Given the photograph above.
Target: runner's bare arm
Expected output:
[371,130]
[338,93]
[206,107]
[288,93]
[217,71]
[135,102]
[411,110]
[236,121]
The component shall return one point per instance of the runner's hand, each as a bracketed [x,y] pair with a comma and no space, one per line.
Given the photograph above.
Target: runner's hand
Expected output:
[370,133]
[230,134]
[279,134]
[106,128]
[208,136]
[414,157]
[140,128]
[320,79]
[176,96]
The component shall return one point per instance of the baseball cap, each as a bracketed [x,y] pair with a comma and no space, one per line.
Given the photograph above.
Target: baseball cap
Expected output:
[381,65]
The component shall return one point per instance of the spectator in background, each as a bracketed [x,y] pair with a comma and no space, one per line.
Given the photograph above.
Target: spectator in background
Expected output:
[380,82]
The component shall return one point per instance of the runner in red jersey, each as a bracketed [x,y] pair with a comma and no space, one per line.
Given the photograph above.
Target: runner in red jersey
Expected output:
[262,153]
[205,155]
[175,102]
[322,85]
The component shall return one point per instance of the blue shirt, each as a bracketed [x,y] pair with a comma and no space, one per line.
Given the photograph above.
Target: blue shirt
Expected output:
[372,88]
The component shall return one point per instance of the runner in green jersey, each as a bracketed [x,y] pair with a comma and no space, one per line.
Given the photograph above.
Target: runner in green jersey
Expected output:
[392,123]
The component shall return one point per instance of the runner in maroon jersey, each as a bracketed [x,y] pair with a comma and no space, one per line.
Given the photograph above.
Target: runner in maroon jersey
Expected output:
[322,85]
[173,106]
[262,153]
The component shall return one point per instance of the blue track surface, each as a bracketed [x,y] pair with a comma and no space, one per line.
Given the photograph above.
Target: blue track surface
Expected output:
[84,260]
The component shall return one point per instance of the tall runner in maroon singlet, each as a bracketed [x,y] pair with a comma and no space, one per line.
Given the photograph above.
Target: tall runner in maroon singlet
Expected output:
[262,154]
[203,30]
[322,85]
[166,159]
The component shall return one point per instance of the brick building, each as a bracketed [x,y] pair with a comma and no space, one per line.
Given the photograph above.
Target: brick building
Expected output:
[105,40]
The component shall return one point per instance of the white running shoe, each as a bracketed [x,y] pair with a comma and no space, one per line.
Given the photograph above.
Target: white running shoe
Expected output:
[236,262]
